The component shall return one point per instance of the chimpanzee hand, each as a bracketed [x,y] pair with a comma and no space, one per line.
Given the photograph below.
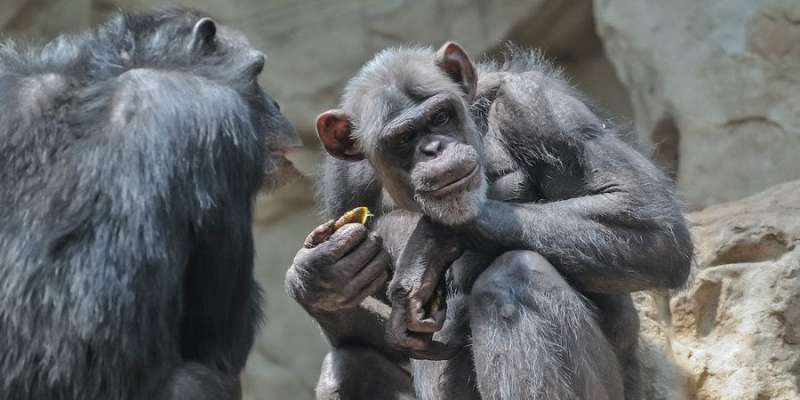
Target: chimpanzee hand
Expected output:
[340,272]
[419,270]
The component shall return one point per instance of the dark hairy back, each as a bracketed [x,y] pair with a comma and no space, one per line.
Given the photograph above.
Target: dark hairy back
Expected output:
[122,149]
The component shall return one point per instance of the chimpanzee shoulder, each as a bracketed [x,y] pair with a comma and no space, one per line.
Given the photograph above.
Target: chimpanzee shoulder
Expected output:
[129,158]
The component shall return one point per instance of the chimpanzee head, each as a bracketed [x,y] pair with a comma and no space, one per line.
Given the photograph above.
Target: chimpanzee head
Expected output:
[188,42]
[407,112]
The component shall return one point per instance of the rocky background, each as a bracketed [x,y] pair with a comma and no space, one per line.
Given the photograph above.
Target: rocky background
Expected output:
[712,88]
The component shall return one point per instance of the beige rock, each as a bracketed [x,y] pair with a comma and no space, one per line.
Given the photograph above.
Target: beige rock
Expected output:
[715,84]
[316,46]
[733,332]
[26,19]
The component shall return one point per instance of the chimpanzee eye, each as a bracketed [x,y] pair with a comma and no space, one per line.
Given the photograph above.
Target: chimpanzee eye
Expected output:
[440,118]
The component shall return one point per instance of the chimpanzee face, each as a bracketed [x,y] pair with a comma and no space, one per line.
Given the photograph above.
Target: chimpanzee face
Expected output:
[418,135]
[434,151]
[279,134]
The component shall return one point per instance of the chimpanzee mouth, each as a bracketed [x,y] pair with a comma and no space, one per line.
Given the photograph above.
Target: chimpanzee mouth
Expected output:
[278,156]
[279,170]
[281,161]
[463,183]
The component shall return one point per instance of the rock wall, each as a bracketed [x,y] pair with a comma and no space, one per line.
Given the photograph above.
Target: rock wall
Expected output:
[716,84]
[711,86]
[734,332]
[43,19]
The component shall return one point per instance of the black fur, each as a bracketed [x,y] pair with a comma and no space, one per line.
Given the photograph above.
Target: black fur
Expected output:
[575,220]
[129,158]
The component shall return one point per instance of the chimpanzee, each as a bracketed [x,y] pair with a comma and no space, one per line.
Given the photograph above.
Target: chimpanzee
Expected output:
[559,220]
[130,155]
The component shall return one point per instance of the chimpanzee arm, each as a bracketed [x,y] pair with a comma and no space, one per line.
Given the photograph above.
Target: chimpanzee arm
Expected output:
[610,223]
[345,185]
[321,279]
[342,186]
[363,326]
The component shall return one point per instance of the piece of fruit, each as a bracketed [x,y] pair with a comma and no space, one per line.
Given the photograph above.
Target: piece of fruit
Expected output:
[357,215]
[438,300]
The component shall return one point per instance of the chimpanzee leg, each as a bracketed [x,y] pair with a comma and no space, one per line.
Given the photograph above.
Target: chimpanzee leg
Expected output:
[194,381]
[620,323]
[535,337]
[360,373]
[453,378]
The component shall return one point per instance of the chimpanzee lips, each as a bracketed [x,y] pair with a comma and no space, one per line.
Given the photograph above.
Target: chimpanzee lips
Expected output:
[278,156]
[278,169]
[278,153]
[459,184]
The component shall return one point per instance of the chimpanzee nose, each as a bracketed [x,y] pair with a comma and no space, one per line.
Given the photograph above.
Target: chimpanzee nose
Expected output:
[432,148]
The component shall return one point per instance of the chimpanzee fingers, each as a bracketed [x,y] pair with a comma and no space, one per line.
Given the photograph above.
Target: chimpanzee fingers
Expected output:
[369,290]
[409,342]
[359,258]
[417,345]
[366,278]
[421,345]
[396,330]
[435,351]
[340,243]
[418,322]
[424,325]
[319,235]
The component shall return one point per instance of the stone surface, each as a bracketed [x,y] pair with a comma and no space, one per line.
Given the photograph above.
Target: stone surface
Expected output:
[714,82]
[315,46]
[734,332]
[39,19]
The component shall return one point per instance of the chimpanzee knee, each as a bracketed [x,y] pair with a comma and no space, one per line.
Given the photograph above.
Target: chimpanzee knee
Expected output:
[356,373]
[533,334]
[500,288]
[194,381]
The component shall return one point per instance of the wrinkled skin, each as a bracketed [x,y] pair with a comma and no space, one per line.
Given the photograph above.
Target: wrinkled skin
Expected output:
[556,221]
[340,272]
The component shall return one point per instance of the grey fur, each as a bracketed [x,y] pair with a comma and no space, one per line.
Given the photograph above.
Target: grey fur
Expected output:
[575,220]
[129,161]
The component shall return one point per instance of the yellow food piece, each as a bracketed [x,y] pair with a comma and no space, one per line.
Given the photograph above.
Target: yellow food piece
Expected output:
[437,301]
[357,215]
[435,304]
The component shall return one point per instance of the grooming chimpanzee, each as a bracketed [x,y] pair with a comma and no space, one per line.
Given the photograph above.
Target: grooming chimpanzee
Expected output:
[559,221]
[129,159]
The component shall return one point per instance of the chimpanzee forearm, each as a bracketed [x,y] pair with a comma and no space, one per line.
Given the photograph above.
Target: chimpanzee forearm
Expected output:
[421,252]
[364,325]
[320,276]
[396,228]
[592,243]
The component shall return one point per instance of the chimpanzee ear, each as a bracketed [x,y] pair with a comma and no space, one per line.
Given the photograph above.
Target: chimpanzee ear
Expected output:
[333,129]
[203,33]
[455,62]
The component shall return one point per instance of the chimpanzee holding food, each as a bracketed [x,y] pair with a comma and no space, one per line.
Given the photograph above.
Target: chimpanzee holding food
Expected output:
[501,181]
